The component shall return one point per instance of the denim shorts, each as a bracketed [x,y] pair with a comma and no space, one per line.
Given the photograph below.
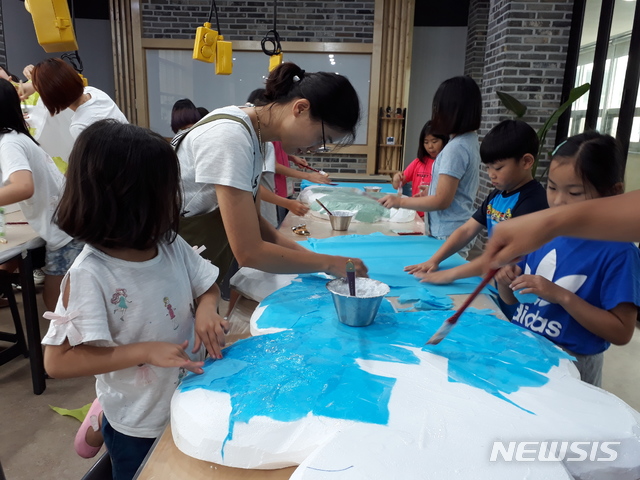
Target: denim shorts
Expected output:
[57,262]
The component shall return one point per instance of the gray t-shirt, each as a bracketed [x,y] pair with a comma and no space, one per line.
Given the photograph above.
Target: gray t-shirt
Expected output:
[460,159]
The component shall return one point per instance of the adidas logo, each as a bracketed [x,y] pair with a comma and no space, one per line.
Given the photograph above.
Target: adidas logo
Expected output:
[533,321]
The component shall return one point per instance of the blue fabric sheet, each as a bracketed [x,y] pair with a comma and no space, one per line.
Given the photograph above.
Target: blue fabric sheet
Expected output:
[312,366]
[386,257]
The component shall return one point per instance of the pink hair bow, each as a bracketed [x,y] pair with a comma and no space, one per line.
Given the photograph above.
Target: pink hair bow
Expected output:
[65,321]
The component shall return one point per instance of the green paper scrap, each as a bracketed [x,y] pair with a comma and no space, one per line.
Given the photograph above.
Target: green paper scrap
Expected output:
[79,413]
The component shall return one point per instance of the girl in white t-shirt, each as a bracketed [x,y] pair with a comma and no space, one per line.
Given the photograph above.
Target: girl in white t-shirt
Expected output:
[127,312]
[60,87]
[31,179]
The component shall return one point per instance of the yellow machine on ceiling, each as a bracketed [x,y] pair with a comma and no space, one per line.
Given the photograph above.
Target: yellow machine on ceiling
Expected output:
[210,46]
[53,24]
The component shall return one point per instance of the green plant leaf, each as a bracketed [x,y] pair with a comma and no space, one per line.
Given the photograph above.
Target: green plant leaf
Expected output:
[512,104]
[574,95]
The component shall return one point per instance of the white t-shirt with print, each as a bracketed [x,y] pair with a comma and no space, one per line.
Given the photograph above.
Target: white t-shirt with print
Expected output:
[221,152]
[98,107]
[115,302]
[19,152]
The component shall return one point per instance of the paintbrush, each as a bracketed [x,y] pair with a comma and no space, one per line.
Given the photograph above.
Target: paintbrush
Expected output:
[400,190]
[351,277]
[322,205]
[450,322]
[315,170]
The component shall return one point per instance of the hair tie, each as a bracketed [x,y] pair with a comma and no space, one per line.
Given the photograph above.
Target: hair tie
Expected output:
[297,78]
[553,154]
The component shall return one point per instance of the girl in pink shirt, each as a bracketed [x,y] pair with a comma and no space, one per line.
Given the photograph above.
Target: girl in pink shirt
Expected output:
[418,173]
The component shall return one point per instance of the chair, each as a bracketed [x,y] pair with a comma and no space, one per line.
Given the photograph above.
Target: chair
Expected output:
[101,470]
[19,344]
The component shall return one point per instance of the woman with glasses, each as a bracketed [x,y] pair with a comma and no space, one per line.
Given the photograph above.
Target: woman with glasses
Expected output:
[221,160]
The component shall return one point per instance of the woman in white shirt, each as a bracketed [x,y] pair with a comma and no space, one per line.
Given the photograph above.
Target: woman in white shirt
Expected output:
[221,162]
[60,87]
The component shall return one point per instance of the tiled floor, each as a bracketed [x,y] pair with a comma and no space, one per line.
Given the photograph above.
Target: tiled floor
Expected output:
[37,443]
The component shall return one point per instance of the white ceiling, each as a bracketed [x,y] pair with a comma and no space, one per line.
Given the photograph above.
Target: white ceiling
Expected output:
[622,19]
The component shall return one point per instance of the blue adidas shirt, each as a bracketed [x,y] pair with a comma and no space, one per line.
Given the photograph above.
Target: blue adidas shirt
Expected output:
[501,205]
[605,274]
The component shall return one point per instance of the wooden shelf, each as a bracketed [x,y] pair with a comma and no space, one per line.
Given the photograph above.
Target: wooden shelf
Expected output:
[391,118]
[385,145]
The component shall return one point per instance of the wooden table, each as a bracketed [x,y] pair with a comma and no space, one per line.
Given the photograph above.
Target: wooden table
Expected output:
[21,240]
[321,228]
[166,462]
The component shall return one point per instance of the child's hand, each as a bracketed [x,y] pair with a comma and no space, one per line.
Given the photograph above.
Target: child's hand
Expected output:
[398,179]
[508,274]
[210,329]
[298,208]
[298,161]
[390,201]
[171,355]
[539,286]
[315,177]
[443,277]
[27,71]
[424,267]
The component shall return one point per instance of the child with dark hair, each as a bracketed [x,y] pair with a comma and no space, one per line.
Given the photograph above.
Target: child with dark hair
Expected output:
[31,179]
[221,162]
[418,173]
[585,292]
[7,75]
[184,114]
[138,302]
[60,87]
[457,107]
[508,152]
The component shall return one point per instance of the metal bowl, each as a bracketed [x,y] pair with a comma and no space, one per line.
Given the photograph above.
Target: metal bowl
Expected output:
[361,310]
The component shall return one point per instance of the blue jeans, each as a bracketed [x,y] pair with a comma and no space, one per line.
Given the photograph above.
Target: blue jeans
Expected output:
[127,453]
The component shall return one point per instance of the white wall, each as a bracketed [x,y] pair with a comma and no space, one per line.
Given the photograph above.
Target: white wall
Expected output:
[438,54]
[94,43]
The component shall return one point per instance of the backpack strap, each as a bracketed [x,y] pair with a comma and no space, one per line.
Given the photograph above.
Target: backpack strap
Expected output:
[177,140]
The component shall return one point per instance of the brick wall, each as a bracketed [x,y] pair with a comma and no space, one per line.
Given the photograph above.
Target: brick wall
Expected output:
[302,21]
[526,49]
[298,21]
[336,163]
[476,39]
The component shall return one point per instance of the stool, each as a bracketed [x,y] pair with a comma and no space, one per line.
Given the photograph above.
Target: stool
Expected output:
[19,344]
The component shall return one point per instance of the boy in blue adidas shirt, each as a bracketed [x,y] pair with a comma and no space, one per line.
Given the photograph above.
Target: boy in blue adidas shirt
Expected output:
[508,151]
[585,292]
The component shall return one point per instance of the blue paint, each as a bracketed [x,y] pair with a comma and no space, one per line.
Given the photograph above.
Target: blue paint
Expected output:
[386,257]
[312,366]
[423,299]
[525,297]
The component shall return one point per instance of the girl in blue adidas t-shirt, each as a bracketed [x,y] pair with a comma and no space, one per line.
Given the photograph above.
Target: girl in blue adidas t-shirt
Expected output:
[587,290]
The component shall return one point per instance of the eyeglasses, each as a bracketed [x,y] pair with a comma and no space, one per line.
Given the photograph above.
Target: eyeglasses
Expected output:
[323,148]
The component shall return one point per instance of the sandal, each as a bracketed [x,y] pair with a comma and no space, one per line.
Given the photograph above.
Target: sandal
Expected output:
[90,421]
